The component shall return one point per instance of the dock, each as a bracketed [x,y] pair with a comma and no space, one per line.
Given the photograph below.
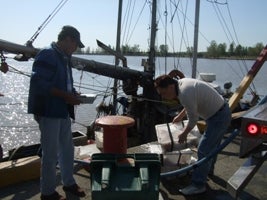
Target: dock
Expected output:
[227,164]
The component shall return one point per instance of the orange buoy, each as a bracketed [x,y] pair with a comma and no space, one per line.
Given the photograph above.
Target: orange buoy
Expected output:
[115,133]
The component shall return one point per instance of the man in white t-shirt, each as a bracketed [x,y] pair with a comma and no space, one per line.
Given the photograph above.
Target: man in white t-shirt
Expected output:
[199,100]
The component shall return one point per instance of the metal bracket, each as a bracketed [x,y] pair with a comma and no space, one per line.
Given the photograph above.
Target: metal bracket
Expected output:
[244,174]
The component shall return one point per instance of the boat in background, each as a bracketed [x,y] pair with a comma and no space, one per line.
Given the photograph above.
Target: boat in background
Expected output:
[79,139]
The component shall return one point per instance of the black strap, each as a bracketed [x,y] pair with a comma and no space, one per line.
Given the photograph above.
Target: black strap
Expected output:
[171,138]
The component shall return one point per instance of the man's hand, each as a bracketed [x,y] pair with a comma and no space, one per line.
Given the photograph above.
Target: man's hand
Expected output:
[68,97]
[72,99]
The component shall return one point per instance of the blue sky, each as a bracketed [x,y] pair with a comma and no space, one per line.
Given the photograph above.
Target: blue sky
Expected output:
[97,19]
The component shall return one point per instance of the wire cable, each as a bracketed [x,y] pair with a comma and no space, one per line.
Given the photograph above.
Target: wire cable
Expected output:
[46,22]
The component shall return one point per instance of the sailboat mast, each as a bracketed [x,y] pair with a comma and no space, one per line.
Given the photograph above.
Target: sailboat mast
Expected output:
[118,41]
[194,67]
[152,52]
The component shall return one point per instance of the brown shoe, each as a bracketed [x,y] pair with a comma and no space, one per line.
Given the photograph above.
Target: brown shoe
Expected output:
[74,189]
[54,196]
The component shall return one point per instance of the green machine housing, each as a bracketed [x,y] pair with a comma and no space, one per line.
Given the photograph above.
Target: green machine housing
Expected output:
[125,176]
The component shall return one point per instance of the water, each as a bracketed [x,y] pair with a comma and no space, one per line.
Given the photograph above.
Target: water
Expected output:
[18,128]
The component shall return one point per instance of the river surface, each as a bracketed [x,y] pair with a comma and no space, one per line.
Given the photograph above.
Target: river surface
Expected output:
[18,128]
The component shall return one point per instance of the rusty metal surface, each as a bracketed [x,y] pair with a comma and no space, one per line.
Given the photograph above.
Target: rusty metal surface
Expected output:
[115,121]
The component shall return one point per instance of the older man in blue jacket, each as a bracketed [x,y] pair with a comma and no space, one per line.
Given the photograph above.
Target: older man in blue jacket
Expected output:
[51,99]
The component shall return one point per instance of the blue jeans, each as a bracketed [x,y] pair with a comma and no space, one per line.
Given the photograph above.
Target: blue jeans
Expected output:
[216,128]
[57,148]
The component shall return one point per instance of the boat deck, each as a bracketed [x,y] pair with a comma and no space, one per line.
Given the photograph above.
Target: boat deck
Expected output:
[227,164]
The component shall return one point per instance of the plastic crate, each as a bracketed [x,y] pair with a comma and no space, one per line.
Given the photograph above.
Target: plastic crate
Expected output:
[125,176]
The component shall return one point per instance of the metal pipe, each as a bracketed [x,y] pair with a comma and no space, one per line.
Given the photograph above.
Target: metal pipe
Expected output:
[194,67]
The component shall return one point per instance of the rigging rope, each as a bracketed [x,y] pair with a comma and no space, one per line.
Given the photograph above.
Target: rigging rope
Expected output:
[19,71]
[229,36]
[131,17]
[182,25]
[138,18]
[45,23]
[125,21]
[128,20]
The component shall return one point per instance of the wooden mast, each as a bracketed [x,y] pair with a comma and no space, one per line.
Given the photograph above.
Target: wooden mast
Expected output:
[115,85]
[152,52]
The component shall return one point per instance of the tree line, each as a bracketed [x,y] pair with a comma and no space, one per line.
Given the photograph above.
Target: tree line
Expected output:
[214,50]
[220,50]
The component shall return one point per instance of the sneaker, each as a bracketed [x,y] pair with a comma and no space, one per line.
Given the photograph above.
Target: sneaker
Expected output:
[54,196]
[193,189]
[74,189]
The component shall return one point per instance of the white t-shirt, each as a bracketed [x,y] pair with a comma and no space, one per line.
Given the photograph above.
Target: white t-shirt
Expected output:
[199,99]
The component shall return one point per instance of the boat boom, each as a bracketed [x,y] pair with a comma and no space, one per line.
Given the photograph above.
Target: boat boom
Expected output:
[11,47]
[104,69]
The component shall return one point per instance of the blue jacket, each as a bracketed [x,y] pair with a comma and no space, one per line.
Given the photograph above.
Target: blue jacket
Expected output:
[49,70]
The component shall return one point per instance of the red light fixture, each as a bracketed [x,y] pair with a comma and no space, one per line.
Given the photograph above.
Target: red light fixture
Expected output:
[252,129]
